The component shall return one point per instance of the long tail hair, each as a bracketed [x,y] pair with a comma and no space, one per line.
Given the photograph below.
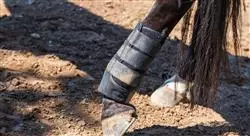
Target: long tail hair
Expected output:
[212,21]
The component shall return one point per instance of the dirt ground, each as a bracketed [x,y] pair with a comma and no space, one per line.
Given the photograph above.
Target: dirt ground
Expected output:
[53,54]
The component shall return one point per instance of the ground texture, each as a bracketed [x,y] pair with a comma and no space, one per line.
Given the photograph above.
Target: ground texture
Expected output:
[53,54]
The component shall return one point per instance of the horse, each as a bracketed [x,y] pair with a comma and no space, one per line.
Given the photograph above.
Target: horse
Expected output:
[198,75]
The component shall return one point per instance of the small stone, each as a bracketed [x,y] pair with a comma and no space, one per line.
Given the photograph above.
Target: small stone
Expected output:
[35,65]
[35,35]
[15,82]
[84,101]
[51,44]
[82,123]
[90,78]
[68,125]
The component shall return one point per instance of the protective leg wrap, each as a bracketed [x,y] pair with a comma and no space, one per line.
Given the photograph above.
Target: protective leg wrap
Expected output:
[129,64]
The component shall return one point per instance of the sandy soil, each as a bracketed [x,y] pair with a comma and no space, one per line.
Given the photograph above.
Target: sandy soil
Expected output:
[53,54]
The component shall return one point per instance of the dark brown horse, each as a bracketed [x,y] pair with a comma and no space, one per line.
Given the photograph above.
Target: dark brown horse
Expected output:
[198,74]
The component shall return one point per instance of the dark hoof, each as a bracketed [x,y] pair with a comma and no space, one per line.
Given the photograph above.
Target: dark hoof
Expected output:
[116,118]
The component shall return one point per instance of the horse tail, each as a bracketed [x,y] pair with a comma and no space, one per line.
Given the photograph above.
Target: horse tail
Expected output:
[209,42]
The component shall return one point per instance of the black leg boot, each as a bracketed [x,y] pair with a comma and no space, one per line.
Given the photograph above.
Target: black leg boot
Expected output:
[123,75]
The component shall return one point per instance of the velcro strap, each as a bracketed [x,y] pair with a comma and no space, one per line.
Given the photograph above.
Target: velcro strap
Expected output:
[117,57]
[124,73]
[134,57]
[113,88]
[144,43]
[150,32]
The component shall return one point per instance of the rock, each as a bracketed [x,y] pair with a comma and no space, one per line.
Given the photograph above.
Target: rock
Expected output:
[89,78]
[81,123]
[84,101]
[68,125]
[35,35]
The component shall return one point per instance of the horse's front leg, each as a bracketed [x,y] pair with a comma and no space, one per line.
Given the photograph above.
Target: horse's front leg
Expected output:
[126,68]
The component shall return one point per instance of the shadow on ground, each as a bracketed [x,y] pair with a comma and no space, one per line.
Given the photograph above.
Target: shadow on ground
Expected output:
[57,29]
[197,130]
[61,29]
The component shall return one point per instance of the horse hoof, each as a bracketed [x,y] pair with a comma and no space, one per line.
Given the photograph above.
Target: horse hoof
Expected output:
[165,97]
[171,92]
[116,118]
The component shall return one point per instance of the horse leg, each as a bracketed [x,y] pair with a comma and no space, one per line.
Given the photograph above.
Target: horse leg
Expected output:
[126,68]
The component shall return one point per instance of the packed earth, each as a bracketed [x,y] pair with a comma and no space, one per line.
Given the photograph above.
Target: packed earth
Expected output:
[52,57]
